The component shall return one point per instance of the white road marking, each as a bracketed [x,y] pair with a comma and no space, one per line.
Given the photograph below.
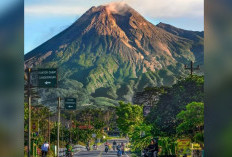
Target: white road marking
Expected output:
[126,154]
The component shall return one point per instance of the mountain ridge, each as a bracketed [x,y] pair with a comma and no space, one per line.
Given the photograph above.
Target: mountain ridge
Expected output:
[112,51]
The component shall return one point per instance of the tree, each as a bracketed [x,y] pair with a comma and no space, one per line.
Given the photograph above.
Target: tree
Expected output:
[150,96]
[139,140]
[174,100]
[128,116]
[131,122]
[192,122]
[168,145]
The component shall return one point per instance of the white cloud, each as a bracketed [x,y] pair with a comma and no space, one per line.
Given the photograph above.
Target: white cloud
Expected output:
[168,8]
[149,8]
[54,10]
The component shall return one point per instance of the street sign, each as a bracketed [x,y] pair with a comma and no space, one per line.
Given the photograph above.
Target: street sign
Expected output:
[146,110]
[70,103]
[47,78]
[183,146]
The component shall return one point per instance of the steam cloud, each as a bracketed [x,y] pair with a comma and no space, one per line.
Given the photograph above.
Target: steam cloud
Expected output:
[117,7]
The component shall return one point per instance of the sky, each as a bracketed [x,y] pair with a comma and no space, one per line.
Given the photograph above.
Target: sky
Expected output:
[46,18]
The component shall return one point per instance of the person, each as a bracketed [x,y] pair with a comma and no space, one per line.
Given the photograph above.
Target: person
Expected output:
[153,148]
[114,145]
[122,147]
[87,143]
[156,148]
[106,147]
[45,148]
[94,146]
[119,152]
[88,146]
[107,143]
[69,149]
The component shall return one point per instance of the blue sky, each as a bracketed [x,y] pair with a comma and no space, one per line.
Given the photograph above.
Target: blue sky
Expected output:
[46,18]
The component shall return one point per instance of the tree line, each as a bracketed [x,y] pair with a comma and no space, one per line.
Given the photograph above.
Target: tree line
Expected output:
[178,114]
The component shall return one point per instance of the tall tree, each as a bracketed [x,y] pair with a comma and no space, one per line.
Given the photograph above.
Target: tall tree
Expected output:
[192,121]
[174,100]
[128,116]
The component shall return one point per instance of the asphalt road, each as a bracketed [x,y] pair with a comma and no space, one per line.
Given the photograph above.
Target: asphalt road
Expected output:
[101,153]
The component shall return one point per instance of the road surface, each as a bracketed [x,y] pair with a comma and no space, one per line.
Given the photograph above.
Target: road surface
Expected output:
[101,151]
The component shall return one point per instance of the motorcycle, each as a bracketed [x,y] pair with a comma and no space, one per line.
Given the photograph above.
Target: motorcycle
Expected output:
[123,152]
[106,149]
[114,147]
[69,153]
[94,147]
[122,149]
[119,153]
[146,153]
[88,148]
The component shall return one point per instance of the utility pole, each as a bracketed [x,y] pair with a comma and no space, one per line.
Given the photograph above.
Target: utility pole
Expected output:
[29,109]
[49,128]
[58,126]
[191,68]
[70,127]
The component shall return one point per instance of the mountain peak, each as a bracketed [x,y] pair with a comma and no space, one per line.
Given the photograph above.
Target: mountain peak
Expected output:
[116,28]
[113,50]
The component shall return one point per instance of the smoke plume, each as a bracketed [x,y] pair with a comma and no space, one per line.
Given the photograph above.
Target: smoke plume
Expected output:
[117,7]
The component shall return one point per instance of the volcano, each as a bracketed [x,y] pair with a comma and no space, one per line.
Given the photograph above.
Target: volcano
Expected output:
[111,52]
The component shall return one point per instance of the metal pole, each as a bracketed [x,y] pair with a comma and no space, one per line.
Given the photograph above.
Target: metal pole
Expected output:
[49,128]
[70,127]
[58,126]
[29,111]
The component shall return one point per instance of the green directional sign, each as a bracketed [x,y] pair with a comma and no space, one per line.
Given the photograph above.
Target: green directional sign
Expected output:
[47,78]
[70,103]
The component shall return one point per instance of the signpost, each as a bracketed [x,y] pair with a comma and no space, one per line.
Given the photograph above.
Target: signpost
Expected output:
[47,78]
[70,103]
[43,78]
[183,146]
[58,127]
